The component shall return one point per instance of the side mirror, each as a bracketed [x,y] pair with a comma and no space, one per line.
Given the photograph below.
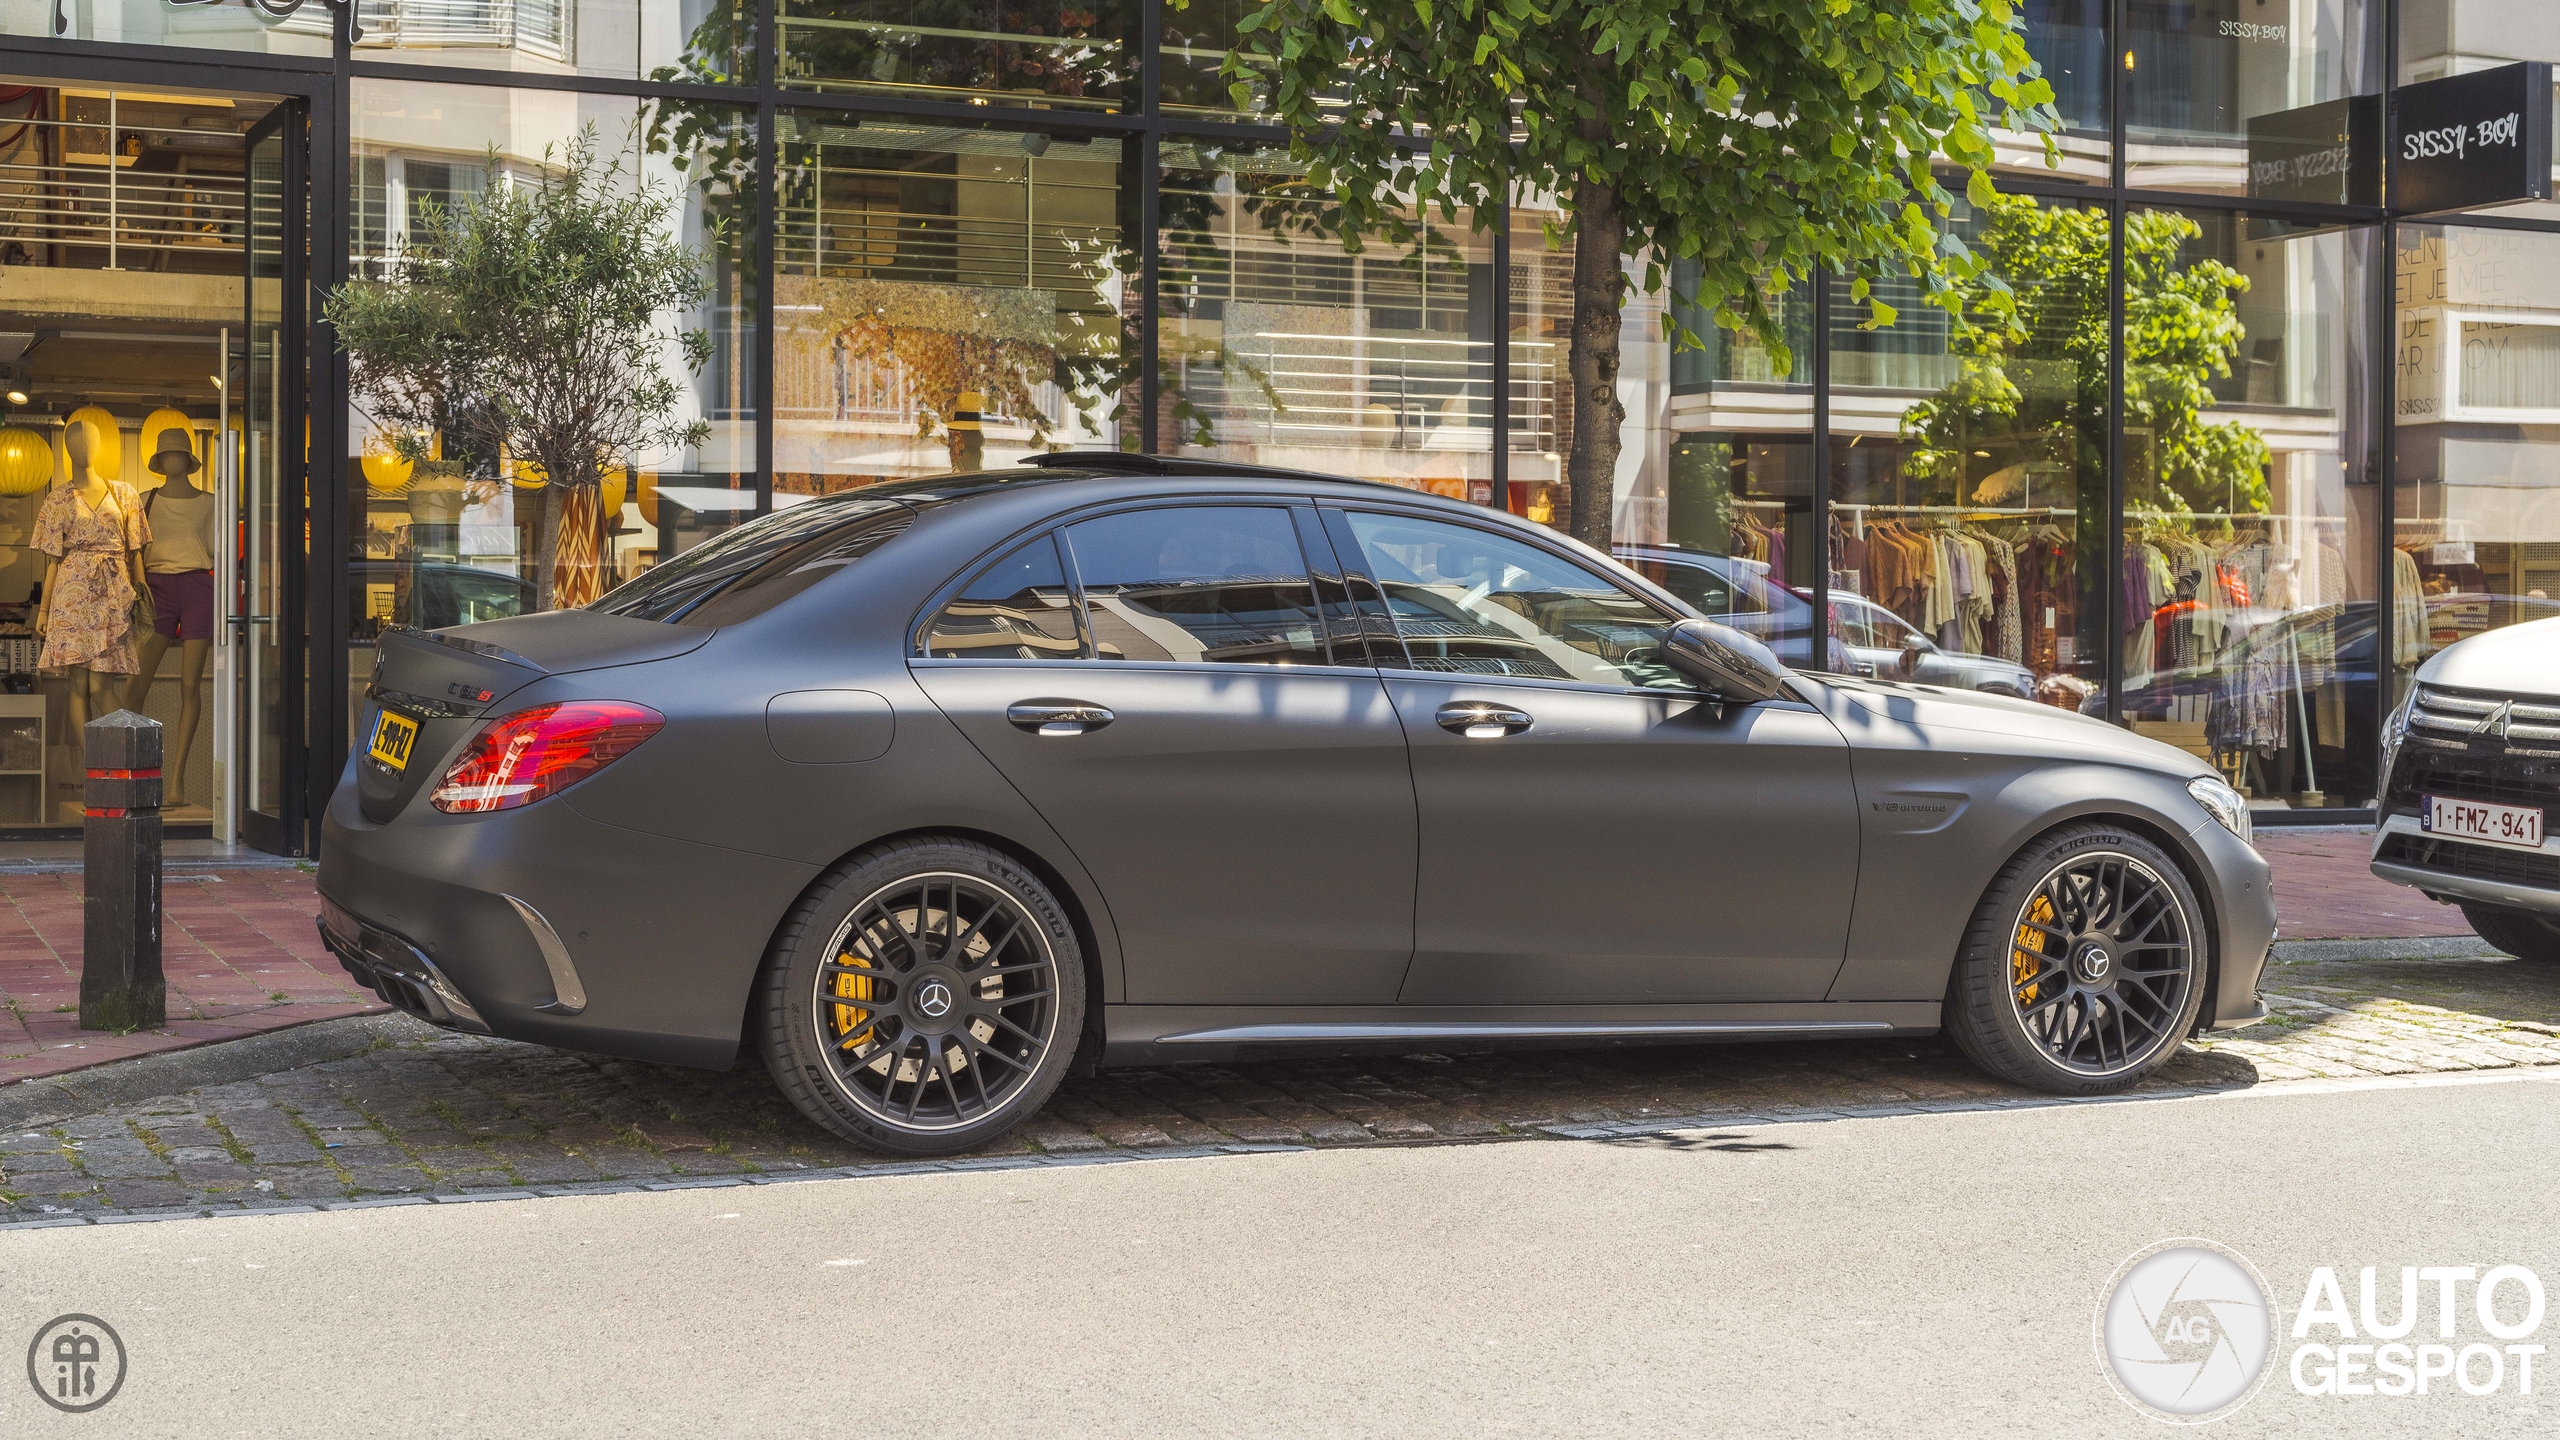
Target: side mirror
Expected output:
[1723,661]
[1914,648]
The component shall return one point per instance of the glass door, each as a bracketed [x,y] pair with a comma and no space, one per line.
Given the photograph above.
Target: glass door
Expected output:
[266,611]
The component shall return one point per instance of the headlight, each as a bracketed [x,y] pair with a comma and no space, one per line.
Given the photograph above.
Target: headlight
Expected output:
[2394,730]
[2223,803]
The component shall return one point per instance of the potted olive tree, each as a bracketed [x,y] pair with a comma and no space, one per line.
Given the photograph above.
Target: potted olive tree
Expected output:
[533,323]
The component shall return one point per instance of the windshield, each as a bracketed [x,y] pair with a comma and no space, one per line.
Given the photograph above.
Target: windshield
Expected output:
[760,564]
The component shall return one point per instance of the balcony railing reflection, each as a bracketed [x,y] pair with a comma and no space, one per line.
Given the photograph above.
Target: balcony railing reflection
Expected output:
[543,28]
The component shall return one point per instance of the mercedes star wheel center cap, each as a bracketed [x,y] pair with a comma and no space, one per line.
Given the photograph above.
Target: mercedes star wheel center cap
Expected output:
[933,1000]
[2094,963]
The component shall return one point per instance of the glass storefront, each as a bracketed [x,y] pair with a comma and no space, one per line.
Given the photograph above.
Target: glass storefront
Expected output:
[951,235]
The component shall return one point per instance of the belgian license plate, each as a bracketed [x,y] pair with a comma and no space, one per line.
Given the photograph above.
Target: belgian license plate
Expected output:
[394,735]
[2519,826]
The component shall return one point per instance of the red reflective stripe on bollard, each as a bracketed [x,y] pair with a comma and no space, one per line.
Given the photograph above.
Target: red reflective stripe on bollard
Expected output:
[124,774]
[111,814]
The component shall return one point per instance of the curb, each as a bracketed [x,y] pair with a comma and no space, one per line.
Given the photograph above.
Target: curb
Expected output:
[221,1062]
[2432,947]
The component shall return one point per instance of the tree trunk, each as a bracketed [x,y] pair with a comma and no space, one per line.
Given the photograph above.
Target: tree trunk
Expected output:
[546,529]
[1599,290]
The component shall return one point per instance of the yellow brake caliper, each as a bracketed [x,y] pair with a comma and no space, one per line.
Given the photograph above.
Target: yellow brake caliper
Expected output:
[2026,959]
[853,1023]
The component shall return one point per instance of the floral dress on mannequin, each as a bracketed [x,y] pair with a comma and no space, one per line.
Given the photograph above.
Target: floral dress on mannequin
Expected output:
[89,617]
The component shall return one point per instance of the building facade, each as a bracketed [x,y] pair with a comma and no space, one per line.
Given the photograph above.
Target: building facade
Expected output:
[2272,435]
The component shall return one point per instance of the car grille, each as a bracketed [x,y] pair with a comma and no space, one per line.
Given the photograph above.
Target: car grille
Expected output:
[2447,752]
[2477,862]
[2459,714]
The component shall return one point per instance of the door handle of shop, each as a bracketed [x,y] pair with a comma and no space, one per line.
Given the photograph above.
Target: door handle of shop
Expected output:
[1482,719]
[1057,717]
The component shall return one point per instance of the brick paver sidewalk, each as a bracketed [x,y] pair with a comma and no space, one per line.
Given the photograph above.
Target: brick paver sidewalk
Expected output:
[237,946]
[2325,892]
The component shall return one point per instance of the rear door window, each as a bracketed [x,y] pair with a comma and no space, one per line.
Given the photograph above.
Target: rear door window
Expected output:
[1225,584]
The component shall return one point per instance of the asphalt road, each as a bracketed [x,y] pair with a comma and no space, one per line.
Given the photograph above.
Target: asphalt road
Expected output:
[1930,1275]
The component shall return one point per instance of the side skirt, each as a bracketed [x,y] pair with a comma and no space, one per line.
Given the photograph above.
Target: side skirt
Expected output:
[1192,1034]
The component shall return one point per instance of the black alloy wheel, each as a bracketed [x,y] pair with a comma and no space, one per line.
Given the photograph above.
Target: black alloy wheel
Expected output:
[924,999]
[2084,967]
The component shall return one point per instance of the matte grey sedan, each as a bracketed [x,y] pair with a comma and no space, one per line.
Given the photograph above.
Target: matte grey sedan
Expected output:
[925,794]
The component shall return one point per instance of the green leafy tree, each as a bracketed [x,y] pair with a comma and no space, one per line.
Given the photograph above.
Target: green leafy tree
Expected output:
[532,320]
[2181,334]
[1759,139]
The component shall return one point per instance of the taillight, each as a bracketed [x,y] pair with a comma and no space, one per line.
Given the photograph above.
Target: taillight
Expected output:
[520,758]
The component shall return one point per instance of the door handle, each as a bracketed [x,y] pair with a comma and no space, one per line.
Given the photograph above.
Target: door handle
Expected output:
[1482,719]
[1057,717]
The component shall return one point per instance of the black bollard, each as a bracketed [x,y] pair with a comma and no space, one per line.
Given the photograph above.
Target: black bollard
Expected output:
[120,983]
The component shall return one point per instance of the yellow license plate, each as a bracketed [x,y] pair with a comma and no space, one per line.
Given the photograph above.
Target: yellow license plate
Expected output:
[394,734]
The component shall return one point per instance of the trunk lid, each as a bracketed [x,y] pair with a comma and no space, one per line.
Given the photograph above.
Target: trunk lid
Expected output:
[448,681]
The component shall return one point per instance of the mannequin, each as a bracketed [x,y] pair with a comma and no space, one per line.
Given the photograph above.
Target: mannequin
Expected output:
[178,566]
[94,531]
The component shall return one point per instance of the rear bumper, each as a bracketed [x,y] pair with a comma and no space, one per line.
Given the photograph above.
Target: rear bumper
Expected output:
[540,924]
[396,970]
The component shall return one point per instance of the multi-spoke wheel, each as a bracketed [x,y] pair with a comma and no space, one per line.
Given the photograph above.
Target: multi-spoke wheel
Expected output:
[2085,964]
[924,999]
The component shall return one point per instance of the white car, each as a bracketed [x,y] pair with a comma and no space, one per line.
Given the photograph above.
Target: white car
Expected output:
[2471,799]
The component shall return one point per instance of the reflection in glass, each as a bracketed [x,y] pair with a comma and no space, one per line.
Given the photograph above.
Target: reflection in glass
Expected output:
[458,536]
[1020,609]
[1469,602]
[1719,509]
[1055,54]
[2249,505]
[1280,349]
[235,25]
[2198,71]
[1968,473]
[1222,584]
[934,278]
[2476,523]
[2068,39]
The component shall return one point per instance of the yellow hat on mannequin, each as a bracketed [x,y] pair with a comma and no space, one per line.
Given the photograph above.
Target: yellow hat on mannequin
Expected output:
[106,440]
[163,419]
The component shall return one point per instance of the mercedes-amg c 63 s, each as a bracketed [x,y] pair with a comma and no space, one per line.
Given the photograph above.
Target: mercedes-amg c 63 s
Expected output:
[925,793]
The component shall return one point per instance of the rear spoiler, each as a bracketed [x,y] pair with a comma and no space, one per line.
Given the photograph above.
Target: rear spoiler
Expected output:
[475,647]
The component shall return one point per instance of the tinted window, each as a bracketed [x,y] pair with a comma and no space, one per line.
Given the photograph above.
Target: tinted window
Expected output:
[1019,608]
[1198,582]
[1471,602]
[760,564]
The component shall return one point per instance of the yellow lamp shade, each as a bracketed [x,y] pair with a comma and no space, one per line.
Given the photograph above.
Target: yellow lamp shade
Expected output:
[528,476]
[106,441]
[612,489]
[385,472]
[649,496]
[26,461]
